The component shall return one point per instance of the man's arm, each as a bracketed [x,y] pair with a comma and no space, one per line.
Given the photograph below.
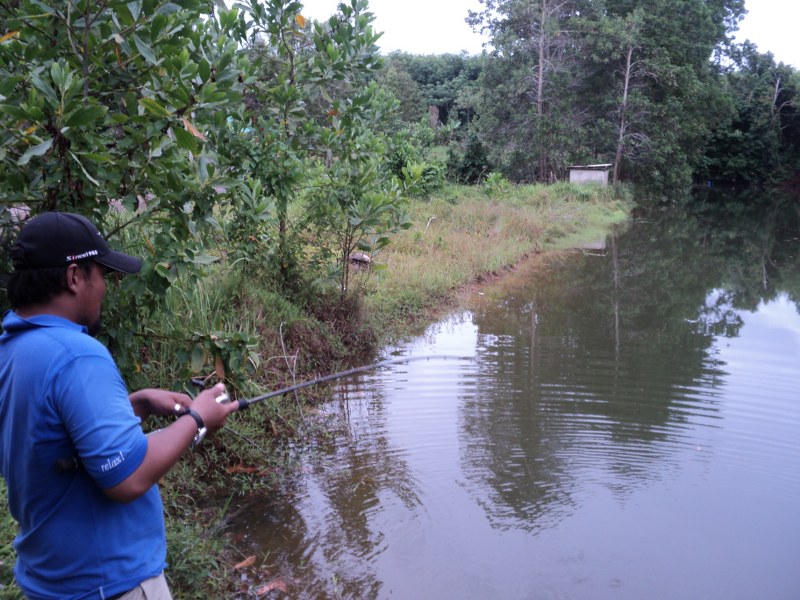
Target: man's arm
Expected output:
[164,447]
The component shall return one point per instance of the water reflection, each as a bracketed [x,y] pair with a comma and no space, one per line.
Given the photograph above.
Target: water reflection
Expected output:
[621,413]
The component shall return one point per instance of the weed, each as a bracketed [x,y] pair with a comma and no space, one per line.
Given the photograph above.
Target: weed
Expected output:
[496,185]
[8,531]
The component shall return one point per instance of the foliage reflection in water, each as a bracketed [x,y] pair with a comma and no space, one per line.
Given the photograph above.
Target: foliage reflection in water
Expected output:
[627,428]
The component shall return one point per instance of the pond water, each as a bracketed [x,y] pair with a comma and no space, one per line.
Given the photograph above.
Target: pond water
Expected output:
[621,424]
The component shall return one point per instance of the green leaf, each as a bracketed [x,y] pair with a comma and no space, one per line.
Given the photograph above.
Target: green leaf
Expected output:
[8,84]
[185,139]
[85,172]
[85,115]
[145,50]
[130,104]
[124,15]
[154,107]
[204,259]
[136,9]
[203,167]
[58,75]
[168,9]
[204,70]
[13,111]
[214,223]
[38,150]
[165,270]
[198,358]
[45,88]
[97,157]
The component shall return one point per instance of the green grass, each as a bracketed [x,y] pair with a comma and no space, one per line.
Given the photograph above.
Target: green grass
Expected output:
[8,530]
[466,232]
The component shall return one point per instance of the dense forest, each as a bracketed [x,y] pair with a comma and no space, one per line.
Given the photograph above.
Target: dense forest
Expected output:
[657,89]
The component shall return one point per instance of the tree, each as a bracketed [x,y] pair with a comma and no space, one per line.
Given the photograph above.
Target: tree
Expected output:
[440,80]
[621,80]
[103,109]
[309,141]
[173,128]
[615,66]
[681,92]
[397,80]
[761,141]
[528,108]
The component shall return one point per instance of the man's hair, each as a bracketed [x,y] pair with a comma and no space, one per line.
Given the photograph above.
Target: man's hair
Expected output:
[30,287]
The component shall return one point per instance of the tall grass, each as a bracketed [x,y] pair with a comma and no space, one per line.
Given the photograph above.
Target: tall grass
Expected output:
[467,232]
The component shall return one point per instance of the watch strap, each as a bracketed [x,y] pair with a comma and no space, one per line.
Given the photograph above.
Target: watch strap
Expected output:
[197,418]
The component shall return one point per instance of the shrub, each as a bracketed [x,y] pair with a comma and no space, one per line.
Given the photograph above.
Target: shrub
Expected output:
[469,165]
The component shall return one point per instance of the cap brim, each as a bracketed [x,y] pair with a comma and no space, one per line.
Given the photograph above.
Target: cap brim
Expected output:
[119,261]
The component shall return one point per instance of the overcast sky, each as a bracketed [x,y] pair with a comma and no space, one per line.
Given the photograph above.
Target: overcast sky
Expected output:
[437,26]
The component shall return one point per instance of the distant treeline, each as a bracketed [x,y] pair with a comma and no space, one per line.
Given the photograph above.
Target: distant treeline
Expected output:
[656,88]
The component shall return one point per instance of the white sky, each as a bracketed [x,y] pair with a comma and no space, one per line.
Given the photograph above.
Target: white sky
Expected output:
[414,26]
[438,27]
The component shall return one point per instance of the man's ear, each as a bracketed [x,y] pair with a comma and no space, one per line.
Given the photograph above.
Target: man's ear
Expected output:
[73,278]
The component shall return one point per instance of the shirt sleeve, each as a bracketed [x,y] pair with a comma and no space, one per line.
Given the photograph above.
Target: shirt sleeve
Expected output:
[94,406]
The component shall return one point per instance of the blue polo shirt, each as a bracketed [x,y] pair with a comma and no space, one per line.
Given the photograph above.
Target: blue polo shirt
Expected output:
[62,397]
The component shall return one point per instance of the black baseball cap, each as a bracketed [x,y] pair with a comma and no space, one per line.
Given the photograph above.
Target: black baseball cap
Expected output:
[57,239]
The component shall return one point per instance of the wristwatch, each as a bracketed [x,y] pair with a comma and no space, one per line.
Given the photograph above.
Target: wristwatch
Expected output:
[201,427]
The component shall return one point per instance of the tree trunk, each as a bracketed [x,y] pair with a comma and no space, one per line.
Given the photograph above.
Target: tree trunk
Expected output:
[623,109]
[542,174]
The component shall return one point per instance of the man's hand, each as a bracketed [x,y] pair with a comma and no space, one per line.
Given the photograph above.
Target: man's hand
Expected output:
[212,412]
[165,446]
[152,401]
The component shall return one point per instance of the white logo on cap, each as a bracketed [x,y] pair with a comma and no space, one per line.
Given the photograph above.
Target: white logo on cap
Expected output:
[84,255]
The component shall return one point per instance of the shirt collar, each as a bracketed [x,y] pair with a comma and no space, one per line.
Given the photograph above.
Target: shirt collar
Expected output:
[13,323]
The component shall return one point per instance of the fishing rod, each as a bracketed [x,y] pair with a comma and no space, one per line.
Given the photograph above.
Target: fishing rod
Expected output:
[66,465]
[246,402]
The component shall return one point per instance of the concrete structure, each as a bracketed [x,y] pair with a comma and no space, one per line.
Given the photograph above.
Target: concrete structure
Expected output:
[590,174]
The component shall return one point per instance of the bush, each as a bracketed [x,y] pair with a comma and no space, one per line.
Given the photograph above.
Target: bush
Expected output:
[422,179]
[469,165]
[496,184]
[407,160]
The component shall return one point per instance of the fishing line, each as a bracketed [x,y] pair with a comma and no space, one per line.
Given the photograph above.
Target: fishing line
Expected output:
[246,402]
[66,465]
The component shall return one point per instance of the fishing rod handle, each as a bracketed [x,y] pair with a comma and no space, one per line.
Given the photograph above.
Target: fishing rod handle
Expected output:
[224,398]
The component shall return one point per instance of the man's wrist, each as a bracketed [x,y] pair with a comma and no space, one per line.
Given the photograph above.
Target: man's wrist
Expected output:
[197,418]
[201,426]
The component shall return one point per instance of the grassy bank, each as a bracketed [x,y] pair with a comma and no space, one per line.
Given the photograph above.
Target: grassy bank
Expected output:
[459,237]
[467,234]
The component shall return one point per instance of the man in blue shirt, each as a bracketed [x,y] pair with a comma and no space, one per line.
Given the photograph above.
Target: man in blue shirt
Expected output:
[81,474]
